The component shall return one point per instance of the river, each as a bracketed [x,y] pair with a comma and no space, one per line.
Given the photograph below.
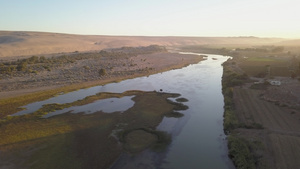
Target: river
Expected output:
[198,140]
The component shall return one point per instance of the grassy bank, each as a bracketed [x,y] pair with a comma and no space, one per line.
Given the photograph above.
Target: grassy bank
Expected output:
[242,152]
[230,79]
[8,109]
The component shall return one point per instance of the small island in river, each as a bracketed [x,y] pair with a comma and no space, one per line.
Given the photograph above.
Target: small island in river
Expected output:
[86,140]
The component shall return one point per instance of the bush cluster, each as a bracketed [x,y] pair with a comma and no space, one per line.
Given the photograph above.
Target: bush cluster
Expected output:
[240,153]
[34,64]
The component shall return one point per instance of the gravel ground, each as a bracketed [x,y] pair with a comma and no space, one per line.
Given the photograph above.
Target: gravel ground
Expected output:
[87,71]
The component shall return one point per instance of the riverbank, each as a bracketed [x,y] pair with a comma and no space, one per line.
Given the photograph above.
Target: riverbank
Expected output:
[22,90]
[262,127]
[86,71]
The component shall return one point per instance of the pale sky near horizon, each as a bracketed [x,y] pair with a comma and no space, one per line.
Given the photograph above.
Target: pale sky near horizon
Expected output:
[262,18]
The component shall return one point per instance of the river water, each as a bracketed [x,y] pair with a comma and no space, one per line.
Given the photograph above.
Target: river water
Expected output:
[198,140]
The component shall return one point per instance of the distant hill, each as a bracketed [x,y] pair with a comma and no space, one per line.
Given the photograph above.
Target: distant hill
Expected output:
[294,42]
[15,43]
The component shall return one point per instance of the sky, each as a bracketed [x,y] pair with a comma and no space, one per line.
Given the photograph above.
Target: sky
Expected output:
[204,18]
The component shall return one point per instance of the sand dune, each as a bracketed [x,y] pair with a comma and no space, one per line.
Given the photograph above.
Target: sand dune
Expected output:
[14,43]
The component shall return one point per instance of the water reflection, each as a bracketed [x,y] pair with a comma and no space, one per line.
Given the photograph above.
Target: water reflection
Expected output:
[105,105]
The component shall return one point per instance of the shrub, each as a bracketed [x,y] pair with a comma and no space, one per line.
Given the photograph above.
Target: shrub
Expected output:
[7,69]
[47,68]
[102,72]
[240,153]
[86,67]
[22,66]
[34,71]
[230,121]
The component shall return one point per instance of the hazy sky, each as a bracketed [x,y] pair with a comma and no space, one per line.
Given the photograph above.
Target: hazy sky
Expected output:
[263,18]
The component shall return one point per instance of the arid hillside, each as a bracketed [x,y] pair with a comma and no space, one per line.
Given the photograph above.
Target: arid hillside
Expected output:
[14,43]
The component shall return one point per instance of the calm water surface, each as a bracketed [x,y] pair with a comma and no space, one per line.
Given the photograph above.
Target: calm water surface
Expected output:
[198,140]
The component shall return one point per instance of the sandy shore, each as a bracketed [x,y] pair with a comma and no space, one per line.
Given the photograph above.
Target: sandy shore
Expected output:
[86,72]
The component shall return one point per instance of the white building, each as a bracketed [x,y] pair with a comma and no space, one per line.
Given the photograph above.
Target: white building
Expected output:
[275,82]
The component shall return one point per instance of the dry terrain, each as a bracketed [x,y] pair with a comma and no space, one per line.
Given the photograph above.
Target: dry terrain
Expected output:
[37,43]
[87,71]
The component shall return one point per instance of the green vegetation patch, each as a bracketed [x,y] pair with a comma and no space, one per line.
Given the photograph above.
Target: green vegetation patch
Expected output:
[245,154]
[252,125]
[240,154]
[174,114]
[230,79]
[262,59]
[230,121]
[182,99]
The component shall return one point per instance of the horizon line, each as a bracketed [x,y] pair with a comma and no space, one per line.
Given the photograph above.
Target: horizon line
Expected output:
[125,35]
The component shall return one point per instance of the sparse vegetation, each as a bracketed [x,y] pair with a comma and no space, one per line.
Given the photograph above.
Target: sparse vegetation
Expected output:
[35,63]
[134,139]
[73,68]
